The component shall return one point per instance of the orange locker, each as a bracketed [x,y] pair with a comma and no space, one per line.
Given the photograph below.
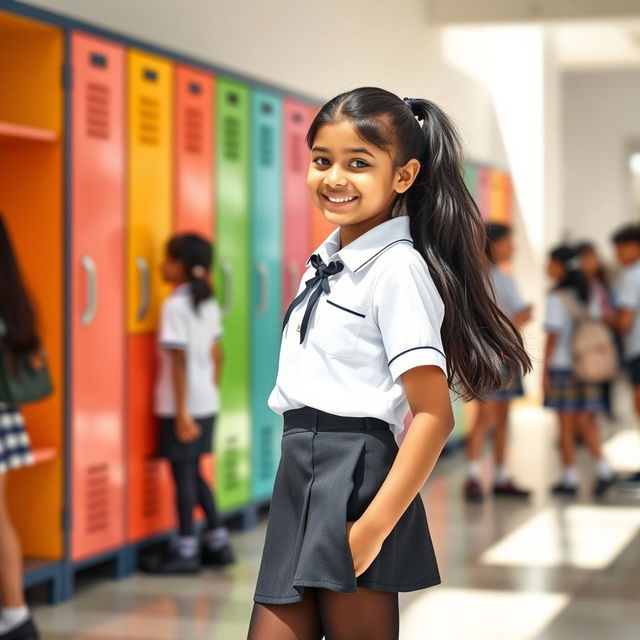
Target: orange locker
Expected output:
[297,204]
[498,197]
[150,119]
[97,317]
[194,164]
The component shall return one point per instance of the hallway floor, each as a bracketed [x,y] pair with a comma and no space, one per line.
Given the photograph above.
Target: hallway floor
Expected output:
[541,570]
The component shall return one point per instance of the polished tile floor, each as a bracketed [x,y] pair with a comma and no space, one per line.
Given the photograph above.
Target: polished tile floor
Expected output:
[541,570]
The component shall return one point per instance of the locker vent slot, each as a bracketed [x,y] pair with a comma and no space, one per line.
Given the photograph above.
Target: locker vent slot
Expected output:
[149,121]
[266,107]
[98,110]
[195,87]
[193,130]
[266,452]
[150,493]
[266,145]
[99,60]
[97,498]
[296,146]
[231,138]
[230,474]
[297,117]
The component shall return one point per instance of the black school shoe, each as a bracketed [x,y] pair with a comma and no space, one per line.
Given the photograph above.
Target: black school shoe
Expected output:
[472,490]
[218,558]
[26,631]
[173,563]
[601,485]
[562,489]
[510,490]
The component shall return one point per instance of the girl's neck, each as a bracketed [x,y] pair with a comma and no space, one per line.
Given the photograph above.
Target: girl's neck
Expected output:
[351,232]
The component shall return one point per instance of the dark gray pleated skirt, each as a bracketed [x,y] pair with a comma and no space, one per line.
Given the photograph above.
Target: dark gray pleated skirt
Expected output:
[324,480]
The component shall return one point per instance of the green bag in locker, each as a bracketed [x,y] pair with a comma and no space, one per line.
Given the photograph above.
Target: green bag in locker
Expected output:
[232,283]
[266,234]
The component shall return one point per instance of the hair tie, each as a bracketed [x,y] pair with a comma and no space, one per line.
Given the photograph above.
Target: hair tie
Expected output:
[198,271]
[409,103]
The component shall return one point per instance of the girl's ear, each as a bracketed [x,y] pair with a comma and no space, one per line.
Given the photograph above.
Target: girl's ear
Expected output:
[406,175]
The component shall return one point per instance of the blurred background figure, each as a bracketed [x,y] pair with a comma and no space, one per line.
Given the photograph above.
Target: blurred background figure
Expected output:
[493,412]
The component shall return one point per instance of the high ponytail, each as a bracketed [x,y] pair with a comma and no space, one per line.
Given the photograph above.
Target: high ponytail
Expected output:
[447,229]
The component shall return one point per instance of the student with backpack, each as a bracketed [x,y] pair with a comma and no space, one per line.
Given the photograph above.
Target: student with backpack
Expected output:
[579,355]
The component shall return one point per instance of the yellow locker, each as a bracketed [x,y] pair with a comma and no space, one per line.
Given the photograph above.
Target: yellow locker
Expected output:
[150,178]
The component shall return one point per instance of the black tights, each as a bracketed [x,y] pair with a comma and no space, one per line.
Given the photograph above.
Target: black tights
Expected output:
[367,614]
[192,490]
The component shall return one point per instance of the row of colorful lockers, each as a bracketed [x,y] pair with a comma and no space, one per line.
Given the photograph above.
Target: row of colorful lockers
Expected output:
[95,174]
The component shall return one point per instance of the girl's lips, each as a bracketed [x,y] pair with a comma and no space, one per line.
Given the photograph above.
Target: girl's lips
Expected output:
[339,204]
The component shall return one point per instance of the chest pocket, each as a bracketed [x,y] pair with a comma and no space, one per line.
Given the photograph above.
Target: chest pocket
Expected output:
[337,327]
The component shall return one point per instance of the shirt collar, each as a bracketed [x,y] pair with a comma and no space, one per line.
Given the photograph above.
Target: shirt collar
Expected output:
[181,289]
[368,246]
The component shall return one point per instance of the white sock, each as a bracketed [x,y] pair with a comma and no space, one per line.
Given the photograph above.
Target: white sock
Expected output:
[13,617]
[501,475]
[473,470]
[603,469]
[570,476]
[187,546]
[216,538]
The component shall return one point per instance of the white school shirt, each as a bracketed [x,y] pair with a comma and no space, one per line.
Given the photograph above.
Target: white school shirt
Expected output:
[629,298]
[182,328]
[508,297]
[382,317]
[558,320]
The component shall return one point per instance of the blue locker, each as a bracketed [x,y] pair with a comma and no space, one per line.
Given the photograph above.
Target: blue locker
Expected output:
[266,294]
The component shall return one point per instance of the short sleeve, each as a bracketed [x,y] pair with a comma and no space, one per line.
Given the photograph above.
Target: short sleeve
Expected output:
[628,292]
[216,324]
[409,312]
[513,301]
[173,332]
[555,315]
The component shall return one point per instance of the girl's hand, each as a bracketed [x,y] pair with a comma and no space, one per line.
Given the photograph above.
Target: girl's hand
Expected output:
[187,428]
[364,547]
[546,381]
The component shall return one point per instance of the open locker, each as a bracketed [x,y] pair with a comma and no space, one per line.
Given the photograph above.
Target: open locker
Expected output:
[266,241]
[150,148]
[233,430]
[97,425]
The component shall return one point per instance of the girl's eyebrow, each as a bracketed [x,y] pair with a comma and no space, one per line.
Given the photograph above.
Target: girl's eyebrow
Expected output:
[350,150]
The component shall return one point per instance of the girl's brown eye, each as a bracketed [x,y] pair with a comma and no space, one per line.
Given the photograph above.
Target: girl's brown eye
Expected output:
[319,161]
[362,164]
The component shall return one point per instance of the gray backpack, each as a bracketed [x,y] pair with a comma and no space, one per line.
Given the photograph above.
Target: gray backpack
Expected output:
[593,351]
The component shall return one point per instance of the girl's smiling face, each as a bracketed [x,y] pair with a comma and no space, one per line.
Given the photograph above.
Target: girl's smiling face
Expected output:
[353,182]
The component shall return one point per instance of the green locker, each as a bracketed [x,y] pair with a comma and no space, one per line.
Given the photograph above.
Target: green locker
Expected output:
[233,431]
[266,236]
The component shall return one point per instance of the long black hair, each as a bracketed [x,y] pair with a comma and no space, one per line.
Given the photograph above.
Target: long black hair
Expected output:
[16,309]
[446,228]
[196,254]
[574,279]
[495,233]
[601,273]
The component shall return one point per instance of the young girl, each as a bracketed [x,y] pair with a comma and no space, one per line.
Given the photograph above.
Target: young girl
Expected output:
[393,308]
[18,336]
[575,402]
[186,398]
[494,411]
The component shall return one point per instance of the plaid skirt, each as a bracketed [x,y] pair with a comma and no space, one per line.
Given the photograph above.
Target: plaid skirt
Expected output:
[513,389]
[15,449]
[565,393]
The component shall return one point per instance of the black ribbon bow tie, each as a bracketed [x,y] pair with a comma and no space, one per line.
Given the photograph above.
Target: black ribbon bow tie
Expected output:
[321,283]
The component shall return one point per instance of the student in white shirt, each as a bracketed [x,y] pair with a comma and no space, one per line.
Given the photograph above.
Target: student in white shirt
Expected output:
[393,308]
[575,402]
[186,399]
[493,412]
[627,319]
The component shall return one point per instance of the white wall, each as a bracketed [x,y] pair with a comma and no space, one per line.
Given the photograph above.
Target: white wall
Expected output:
[601,114]
[315,48]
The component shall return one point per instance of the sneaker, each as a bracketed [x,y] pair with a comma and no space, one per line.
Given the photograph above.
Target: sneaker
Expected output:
[602,484]
[473,490]
[562,489]
[26,631]
[173,562]
[218,558]
[633,479]
[510,490]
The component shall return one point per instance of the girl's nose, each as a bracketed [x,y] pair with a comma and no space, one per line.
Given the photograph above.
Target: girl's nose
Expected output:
[334,177]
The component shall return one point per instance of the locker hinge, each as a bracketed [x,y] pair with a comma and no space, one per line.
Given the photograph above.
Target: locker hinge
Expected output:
[66,519]
[66,77]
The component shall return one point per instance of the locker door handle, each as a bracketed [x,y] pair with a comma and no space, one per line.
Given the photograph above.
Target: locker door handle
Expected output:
[143,269]
[227,279]
[263,274]
[92,290]
[293,273]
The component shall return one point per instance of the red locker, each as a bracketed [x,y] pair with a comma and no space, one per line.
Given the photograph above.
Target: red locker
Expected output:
[193,147]
[297,203]
[97,322]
